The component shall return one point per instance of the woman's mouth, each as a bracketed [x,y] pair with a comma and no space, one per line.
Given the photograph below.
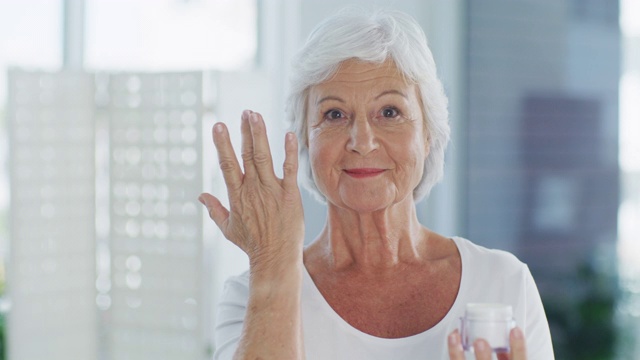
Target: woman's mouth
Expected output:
[360,173]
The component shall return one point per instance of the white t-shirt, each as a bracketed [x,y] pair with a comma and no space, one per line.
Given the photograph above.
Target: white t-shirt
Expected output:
[487,276]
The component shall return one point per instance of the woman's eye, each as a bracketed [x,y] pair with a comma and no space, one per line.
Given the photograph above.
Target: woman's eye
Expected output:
[390,112]
[334,115]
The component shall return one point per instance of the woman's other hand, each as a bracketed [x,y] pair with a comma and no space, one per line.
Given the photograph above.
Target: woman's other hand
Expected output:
[265,217]
[482,349]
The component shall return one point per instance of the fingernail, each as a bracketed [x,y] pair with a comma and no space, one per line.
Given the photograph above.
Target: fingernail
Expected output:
[479,345]
[517,333]
[453,339]
[253,118]
[201,199]
[217,128]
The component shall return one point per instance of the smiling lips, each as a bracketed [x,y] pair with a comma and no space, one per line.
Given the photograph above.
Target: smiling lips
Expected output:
[361,173]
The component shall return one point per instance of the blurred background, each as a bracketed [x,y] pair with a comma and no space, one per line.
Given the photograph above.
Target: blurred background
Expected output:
[106,108]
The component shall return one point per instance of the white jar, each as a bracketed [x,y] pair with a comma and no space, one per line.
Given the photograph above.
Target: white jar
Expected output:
[491,322]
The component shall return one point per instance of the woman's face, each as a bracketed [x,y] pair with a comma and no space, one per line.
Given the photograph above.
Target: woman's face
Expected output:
[366,136]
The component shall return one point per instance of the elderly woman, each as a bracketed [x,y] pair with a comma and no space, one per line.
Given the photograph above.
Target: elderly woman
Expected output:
[371,128]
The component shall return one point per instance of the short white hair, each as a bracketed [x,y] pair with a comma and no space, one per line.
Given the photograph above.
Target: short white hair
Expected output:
[374,38]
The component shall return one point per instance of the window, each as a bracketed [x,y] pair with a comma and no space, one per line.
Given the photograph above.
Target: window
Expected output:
[108,162]
[167,35]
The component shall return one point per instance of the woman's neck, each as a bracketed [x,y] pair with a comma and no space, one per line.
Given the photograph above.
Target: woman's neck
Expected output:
[373,242]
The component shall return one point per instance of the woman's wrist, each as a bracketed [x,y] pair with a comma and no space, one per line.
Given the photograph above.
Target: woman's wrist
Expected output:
[273,270]
[282,257]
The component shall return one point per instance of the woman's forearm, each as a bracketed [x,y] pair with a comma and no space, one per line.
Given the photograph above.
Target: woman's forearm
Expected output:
[272,325]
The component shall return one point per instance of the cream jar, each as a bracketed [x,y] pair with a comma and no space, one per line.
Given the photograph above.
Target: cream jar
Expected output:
[491,322]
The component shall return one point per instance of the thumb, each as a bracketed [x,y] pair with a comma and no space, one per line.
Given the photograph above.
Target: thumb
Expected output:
[217,212]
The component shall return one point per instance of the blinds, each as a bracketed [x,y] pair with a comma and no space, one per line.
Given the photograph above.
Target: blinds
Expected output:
[124,149]
[51,273]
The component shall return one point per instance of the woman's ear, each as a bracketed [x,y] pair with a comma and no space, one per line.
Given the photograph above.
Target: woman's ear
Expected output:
[425,123]
[305,133]
[427,137]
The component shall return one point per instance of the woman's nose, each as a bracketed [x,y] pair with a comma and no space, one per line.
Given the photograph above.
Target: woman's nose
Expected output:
[362,138]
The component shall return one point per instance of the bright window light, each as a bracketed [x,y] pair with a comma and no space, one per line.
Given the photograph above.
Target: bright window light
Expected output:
[630,121]
[629,11]
[161,35]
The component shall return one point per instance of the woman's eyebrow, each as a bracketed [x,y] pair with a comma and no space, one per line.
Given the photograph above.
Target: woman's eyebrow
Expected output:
[386,92]
[393,91]
[330,97]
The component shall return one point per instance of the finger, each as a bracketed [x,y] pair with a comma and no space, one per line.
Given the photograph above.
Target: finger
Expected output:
[518,344]
[227,157]
[217,212]
[482,349]
[290,166]
[456,352]
[247,145]
[261,151]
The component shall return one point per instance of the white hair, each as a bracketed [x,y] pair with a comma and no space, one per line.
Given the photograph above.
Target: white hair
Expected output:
[371,38]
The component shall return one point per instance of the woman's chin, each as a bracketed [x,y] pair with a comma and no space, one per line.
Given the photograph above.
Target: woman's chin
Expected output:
[367,203]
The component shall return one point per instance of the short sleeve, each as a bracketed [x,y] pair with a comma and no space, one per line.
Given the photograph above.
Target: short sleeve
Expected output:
[539,345]
[230,316]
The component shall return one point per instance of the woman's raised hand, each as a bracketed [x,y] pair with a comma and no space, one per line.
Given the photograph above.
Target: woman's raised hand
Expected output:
[265,220]
[265,217]
[482,349]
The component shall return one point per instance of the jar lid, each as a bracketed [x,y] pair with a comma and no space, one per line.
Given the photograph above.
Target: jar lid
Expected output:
[489,311]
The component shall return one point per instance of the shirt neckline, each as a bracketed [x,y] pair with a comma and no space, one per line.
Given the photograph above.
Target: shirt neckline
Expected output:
[456,308]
